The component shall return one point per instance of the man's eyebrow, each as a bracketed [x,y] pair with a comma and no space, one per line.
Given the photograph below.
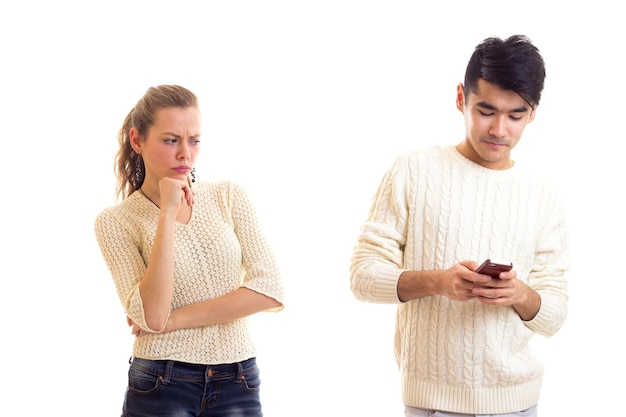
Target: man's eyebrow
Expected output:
[489,106]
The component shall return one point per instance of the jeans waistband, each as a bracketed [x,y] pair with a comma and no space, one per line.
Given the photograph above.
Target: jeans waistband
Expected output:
[175,369]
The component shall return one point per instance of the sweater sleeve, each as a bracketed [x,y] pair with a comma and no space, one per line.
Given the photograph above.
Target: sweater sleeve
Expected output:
[377,259]
[548,273]
[121,252]
[261,271]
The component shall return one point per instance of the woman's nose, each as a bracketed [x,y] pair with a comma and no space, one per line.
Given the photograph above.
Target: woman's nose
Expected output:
[183,151]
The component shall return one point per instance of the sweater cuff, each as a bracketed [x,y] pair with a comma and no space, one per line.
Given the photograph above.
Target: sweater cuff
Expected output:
[549,318]
[385,285]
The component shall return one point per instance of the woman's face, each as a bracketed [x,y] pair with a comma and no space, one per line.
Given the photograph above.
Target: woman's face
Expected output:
[171,145]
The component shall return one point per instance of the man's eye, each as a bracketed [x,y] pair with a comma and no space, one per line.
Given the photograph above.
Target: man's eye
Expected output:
[515,118]
[485,114]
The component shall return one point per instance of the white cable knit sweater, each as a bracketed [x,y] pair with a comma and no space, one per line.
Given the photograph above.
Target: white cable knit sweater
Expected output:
[435,208]
[221,249]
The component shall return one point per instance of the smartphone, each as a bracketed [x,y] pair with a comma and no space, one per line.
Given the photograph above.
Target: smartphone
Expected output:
[493,268]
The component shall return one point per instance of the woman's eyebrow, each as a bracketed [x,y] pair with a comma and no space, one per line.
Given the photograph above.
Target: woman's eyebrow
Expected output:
[177,136]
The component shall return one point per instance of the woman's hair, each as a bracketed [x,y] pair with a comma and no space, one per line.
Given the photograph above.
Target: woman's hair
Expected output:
[513,64]
[129,167]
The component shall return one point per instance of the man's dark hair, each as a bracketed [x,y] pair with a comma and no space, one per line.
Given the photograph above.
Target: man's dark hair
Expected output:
[512,64]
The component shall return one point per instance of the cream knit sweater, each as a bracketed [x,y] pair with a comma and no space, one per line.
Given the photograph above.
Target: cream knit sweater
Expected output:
[221,249]
[435,208]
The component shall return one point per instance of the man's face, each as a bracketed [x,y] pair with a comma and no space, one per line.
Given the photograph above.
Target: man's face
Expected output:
[494,122]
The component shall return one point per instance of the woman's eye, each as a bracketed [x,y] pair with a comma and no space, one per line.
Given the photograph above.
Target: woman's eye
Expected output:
[170,141]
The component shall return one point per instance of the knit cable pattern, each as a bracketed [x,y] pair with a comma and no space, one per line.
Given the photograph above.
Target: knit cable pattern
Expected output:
[435,208]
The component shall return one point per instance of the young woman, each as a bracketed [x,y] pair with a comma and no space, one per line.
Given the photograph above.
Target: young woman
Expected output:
[190,263]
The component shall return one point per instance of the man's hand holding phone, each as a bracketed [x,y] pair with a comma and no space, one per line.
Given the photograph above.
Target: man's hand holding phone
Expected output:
[507,292]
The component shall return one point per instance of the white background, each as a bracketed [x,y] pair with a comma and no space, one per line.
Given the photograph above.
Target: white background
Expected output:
[306,103]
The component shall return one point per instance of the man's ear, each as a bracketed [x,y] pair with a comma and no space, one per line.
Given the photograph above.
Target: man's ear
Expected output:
[135,140]
[532,114]
[460,97]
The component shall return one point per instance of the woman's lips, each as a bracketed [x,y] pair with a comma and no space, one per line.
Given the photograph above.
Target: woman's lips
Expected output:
[182,170]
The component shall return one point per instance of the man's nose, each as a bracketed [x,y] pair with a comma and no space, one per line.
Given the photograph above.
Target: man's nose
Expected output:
[498,127]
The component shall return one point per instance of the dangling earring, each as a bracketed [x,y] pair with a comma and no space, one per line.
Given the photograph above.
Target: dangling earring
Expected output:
[139,169]
[193,174]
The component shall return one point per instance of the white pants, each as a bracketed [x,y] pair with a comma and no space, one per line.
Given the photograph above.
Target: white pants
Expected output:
[421,412]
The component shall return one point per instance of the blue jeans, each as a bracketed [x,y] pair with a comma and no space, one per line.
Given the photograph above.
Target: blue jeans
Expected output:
[168,388]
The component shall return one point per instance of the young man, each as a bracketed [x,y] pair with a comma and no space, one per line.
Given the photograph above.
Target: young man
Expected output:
[461,336]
